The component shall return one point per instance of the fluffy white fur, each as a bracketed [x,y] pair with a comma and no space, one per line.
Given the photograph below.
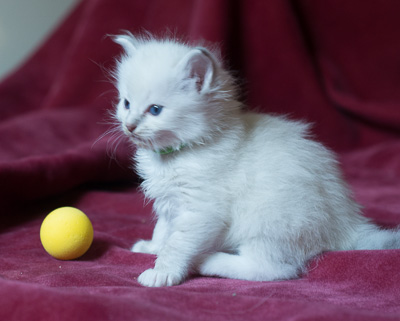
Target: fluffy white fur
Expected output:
[246,196]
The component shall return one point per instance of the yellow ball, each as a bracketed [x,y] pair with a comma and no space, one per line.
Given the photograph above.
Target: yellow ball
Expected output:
[66,233]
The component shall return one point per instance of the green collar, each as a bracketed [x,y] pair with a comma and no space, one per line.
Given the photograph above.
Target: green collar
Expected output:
[169,150]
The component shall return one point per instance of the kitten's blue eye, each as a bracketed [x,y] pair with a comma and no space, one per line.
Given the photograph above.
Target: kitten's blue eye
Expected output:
[127,104]
[155,110]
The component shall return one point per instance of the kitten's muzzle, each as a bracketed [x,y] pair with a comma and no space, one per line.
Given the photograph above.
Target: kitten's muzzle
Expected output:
[131,128]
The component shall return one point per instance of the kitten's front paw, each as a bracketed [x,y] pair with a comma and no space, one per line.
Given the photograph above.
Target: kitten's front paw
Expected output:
[154,278]
[143,246]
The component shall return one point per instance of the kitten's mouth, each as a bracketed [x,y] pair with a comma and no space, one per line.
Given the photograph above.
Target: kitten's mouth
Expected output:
[140,141]
[137,139]
[162,139]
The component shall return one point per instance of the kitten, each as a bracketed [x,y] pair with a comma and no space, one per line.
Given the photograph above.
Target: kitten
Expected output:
[236,194]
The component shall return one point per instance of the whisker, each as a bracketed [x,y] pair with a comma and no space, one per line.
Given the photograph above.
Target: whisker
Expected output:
[116,141]
[109,131]
[111,91]
[108,72]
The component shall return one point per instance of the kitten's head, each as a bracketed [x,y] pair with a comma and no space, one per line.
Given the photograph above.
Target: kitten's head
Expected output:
[170,93]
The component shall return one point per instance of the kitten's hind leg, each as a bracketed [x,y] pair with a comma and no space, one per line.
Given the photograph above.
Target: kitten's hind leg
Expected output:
[245,268]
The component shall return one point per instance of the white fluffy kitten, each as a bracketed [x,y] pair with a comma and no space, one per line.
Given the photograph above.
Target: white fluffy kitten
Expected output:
[237,194]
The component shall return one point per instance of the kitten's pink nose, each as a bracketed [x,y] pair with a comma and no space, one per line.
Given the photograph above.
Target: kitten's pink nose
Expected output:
[131,127]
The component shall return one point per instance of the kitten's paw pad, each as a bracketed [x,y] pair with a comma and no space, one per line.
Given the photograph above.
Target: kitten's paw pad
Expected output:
[143,246]
[154,278]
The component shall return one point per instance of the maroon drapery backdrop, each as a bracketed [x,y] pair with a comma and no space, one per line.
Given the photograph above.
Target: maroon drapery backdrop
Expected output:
[335,63]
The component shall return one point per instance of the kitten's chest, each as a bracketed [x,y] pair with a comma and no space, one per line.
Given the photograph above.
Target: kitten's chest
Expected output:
[161,177]
[189,181]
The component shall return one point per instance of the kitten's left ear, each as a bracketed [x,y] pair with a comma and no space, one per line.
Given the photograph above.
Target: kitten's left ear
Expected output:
[127,41]
[199,64]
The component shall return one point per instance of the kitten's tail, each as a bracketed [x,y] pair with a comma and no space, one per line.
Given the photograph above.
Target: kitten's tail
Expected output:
[371,237]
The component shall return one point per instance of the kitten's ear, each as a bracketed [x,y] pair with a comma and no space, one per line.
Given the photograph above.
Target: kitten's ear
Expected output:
[127,41]
[199,64]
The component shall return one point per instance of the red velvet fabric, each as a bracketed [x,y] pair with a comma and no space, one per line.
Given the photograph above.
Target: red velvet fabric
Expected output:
[335,63]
